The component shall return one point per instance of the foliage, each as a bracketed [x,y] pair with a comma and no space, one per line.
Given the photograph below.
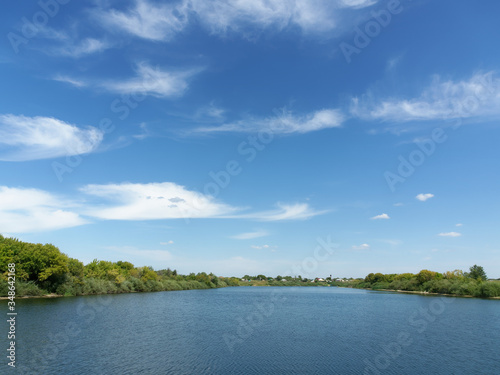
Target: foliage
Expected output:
[477,273]
[43,269]
[451,282]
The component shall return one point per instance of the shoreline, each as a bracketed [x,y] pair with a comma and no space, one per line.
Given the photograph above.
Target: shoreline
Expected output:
[421,293]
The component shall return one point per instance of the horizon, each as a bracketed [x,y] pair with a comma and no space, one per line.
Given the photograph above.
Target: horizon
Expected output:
[345,138]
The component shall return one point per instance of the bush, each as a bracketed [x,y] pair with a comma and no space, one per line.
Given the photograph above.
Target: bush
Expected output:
[488,289]
[380,285]
[171,285]
[66,289]
[29,288]
[97,286]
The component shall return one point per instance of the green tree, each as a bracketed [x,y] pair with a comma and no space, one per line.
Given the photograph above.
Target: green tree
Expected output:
[426,275]
[477,273]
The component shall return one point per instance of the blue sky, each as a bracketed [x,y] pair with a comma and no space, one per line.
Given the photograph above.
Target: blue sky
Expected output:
[236,137]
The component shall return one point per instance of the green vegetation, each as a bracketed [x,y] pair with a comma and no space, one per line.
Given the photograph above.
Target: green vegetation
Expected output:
[474,283]
[43,269]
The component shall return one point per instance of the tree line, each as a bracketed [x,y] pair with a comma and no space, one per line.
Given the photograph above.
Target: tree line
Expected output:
[473,283]
[44,269]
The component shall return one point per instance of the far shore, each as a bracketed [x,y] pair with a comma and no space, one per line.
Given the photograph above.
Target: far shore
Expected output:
[53,295]
[421,292]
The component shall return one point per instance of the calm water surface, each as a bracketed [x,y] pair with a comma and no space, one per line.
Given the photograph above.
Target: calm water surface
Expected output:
[257,330]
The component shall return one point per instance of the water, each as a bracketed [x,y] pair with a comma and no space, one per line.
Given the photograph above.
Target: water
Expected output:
[257,330]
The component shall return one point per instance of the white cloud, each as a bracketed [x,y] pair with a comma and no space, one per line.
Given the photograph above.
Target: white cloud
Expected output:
[392,242]
[152,201]
[398,204]
[32,210]
[250,235]
[358,3]
[286,123]
[167,243]
[298,211]
[153,81]
[162,22]
[424,197]
[459,225]
[29,138]
[450,234]
[168,200]
[70,80]
[87,46]
[380,217]
[147,20]
[261,246]
[364,246]
[479,96]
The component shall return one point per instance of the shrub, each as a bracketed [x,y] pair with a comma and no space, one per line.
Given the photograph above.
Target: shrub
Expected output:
[28,288]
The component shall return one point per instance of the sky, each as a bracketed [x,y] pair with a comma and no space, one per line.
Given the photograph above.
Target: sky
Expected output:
[276,137]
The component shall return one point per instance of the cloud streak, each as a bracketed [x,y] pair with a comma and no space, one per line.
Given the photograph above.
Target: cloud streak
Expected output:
[250,235]
[380,217]
[450,234]
[153,81]
[476,97]
[285,123]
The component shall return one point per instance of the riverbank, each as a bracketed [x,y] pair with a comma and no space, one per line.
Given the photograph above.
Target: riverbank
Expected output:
[425,293]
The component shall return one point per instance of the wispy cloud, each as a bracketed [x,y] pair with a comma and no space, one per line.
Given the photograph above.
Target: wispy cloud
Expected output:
[380,217]
[167,243]
[358,3]
[148,80]
[364,246]
[25,210]
[162,22]
[459,225]
[260,247]
[153,81]
[29,138]
[478,96]
[391,242]
[72,81]
[424,197]
[250,235]
[147,20]
[285,123]
[450,234]
[297,211]
[85,47]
